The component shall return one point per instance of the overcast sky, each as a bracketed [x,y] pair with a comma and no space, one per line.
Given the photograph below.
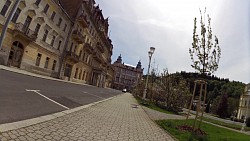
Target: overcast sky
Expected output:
[167,25]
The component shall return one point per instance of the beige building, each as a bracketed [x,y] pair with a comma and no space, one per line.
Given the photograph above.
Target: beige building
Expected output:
[35,37]
[244,104]
[58,38]
[88,53]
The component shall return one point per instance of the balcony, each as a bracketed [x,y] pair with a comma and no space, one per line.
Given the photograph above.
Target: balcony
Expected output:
[76,35]
[72,56]
[97,56]
[24,31]
[83,20]
[100,47]
[88,48]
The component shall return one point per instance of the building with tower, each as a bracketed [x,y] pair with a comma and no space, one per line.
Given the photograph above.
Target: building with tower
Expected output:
[126,76]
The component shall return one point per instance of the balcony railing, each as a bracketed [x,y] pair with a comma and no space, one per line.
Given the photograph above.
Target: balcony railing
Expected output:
[72,56]
[78,36]
[83,20]
[25,31]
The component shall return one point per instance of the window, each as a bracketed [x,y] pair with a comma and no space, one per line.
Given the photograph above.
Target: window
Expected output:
[59,44]
[54,65]
[71,46]
[46,63]
[80,54]
[76,73]
[53,40]
[16,15]
[5,8]
[38,59]
[65,27]
[38,26]
[59,22]
[37,2]
[45,35]
[53,15]
[83,57]
[46,8]
[75,48]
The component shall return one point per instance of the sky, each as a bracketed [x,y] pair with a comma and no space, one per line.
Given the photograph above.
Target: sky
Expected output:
[167,25]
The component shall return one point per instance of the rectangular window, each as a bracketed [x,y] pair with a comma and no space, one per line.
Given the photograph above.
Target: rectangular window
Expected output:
[38,59]
[71,46]
[37,2]
[65,27]
[16,15]
[53,15]
[46,63]
[59,45]
[38,26]
[75,48]
[45,35]
[53,40]
[54,65]
[59,22]
[46,8]
[5,8]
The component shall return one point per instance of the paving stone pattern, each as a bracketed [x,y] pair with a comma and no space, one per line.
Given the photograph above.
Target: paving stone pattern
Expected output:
[155,115]
[113,120]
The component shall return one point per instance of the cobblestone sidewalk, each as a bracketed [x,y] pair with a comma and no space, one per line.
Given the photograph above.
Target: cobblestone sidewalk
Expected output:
[155,115]
[112,120]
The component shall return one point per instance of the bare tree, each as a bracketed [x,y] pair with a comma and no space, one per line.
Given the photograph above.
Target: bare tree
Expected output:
[205,54]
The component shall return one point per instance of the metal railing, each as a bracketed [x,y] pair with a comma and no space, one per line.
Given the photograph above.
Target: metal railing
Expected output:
[26,31]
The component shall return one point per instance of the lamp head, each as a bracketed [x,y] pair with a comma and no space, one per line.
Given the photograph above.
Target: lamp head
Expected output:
[152,49]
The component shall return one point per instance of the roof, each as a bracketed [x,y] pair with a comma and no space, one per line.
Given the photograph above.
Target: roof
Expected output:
[129,65]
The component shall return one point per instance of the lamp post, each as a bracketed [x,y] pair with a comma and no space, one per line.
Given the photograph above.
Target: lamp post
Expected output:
[5,27]
[150,54]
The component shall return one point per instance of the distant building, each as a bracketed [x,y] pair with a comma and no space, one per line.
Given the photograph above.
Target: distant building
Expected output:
[126,76]
[244,106]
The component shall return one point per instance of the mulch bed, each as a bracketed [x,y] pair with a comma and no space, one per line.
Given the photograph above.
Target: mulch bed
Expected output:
[190,129]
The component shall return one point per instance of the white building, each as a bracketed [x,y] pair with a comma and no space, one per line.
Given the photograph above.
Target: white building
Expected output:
[244,106]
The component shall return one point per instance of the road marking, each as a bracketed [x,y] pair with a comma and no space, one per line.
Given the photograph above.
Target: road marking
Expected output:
[93,95]
[37,91]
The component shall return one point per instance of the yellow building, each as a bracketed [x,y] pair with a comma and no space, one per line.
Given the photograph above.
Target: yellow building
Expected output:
[35,37]
[244,104]
[89,50]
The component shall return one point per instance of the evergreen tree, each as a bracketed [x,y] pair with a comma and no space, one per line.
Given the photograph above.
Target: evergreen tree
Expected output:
[222,107]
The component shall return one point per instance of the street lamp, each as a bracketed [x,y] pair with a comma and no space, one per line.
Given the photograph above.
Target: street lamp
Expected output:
[150,54]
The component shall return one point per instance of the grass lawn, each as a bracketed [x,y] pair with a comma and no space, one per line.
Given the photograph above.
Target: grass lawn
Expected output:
[233,126]
[214,133]
[153,106]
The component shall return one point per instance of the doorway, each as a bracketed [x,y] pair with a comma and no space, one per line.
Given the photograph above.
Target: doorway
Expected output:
[16,54]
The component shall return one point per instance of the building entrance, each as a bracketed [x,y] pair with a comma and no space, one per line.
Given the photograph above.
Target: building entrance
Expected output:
[16,54]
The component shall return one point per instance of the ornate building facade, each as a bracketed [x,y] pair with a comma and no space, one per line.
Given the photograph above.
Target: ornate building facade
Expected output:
[244,104]
[35,37]
[89,50]
[58,38]
[126,76]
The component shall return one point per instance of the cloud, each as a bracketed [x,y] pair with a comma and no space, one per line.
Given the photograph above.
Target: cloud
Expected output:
[168,26]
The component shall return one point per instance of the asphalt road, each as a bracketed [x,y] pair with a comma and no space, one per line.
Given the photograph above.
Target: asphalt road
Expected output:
[18,101]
